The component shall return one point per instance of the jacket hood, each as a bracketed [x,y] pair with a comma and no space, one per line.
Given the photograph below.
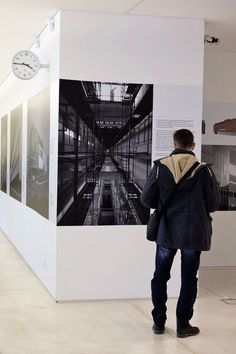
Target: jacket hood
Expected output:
[179,163]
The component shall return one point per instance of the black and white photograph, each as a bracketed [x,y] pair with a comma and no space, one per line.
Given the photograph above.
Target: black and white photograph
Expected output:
[4,154]
[219,149]
[222,160]
[104,152]
[38,135]
[16,153]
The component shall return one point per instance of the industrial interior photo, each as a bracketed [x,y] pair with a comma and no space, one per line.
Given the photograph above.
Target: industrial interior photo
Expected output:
[104,154]
[222,160]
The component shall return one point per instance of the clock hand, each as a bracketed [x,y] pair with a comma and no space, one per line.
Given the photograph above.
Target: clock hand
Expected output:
[27,65]
[24,64]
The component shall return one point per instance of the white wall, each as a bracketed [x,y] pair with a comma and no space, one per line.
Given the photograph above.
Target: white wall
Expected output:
[33,235]
[106,263]
[116,262]
[101,262]
[163,50]
[219,76]
[220,104]
[222,253]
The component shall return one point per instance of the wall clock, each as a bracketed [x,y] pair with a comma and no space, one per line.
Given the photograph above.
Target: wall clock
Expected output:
[25,64]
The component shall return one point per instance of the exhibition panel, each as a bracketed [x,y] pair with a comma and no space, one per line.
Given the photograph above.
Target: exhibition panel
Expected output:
[219,149]
[102,161]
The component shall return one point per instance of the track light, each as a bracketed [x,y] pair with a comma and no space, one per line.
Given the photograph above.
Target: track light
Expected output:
[51,24]
[37,42]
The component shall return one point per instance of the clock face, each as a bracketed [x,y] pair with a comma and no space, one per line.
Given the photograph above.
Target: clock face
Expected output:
[25,65]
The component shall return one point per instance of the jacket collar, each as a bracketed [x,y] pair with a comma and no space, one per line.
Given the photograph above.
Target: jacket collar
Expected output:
[182,151]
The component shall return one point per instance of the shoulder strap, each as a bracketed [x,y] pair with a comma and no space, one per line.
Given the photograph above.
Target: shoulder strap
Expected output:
[170,197]
[188,173]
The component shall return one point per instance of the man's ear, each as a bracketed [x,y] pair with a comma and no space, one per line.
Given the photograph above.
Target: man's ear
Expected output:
[193,146]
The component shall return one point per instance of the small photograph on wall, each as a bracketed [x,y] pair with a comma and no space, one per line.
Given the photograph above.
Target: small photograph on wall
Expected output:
[219,149]
[16,153]
[104,153]
[38,137]
[222,160]
[4,154]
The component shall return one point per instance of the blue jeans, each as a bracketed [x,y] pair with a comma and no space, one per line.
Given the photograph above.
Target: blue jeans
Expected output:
[190,261]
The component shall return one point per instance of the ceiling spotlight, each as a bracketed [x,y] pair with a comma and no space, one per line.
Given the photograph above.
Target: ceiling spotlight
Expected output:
[211,40]
[37,42]
[51,24]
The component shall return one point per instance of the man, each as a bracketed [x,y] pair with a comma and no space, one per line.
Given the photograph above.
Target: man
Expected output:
[185,225]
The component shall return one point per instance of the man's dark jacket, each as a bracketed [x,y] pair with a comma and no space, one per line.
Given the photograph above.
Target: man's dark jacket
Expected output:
[187,221]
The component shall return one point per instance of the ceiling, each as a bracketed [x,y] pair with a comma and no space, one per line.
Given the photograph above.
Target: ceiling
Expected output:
[22,20]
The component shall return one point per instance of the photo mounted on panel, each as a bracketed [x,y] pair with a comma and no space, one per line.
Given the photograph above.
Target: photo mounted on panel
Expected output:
[222,160]
[227,126]
[4,154]
[104,155]
[38,137]
[16,153]
[219,150]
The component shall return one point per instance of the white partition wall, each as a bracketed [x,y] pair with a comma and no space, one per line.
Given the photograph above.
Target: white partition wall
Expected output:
[33,235]
[117,261]
[106,261]
[220,105]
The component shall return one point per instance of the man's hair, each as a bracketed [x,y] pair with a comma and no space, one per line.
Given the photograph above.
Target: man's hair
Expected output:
[183,138]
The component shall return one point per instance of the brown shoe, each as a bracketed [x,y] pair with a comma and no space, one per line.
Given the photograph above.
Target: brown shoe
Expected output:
[187,332]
